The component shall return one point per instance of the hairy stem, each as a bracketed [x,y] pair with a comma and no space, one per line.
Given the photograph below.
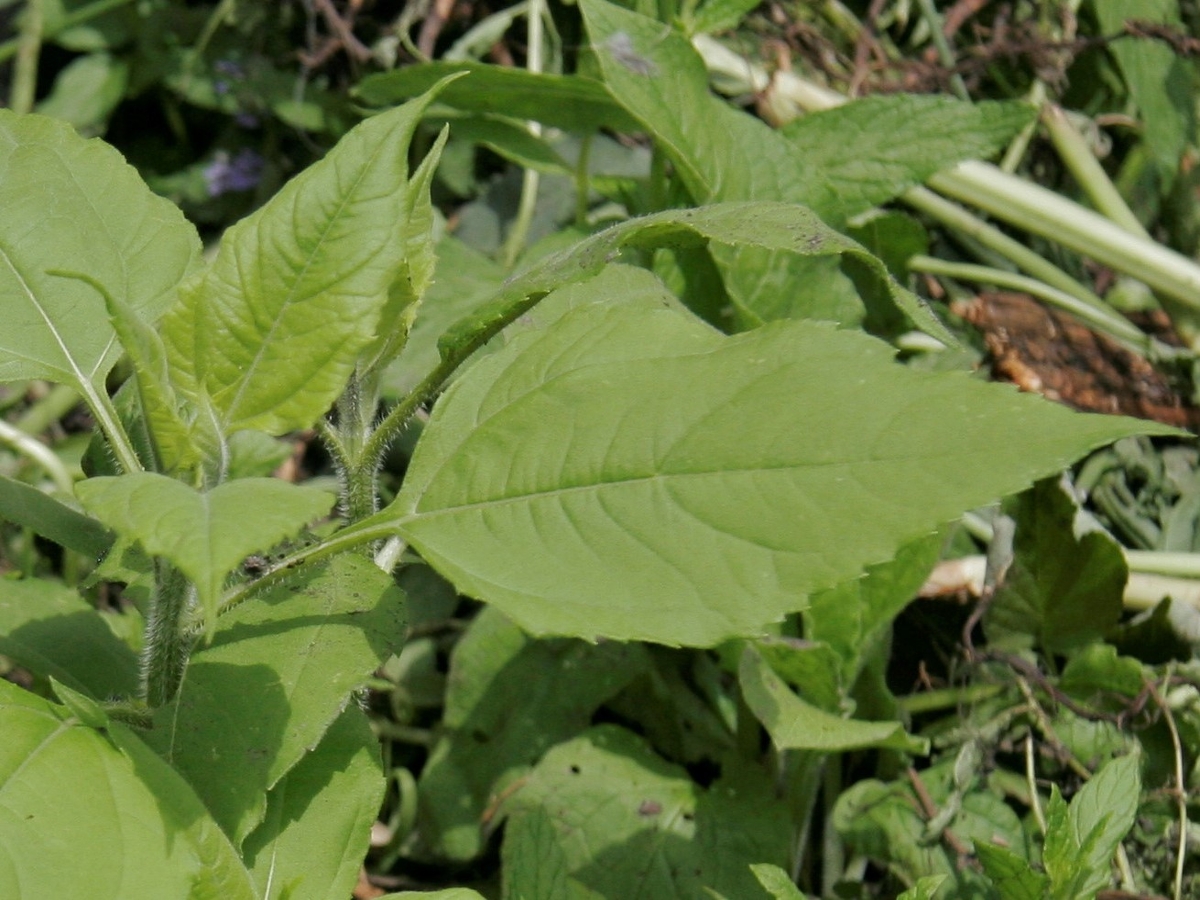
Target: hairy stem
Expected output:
[167,643]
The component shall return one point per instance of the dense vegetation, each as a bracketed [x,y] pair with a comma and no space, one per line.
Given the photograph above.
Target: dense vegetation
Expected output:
[556,451]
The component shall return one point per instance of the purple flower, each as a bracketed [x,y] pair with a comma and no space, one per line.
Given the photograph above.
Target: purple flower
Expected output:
[240,172]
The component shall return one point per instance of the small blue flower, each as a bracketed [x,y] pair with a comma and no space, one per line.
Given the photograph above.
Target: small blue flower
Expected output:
[240,172]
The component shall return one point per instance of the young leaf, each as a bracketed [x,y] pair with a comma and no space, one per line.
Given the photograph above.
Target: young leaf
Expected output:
[52,632]
[314,836]
[1064,588]
[632,825]
[75,204]
[777,882]
[629,472]
[85,813]
[269,334]
[1011,876]
[1102,813]
[796,725]
[925,889]
[510,699]
[205,535]
[277,674]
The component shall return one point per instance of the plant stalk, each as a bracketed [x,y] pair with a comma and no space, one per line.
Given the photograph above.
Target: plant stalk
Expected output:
[29,48]
[167,643]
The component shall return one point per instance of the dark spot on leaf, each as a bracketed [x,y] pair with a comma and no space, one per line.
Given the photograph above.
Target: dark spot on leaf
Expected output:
[575,770]
[649,808]
[480,736]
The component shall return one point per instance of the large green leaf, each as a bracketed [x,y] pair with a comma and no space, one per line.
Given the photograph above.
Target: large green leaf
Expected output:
[560,101]
[794,724]
[51,631]
[89,813]
[75,205]
[279,671]
[204,534]
[629,472]
[314,836]
[633,826]
[510,698]
[269,333]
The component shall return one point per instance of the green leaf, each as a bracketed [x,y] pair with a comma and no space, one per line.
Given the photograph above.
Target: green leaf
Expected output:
[73,202]
[86,91]
[305,278]
[1011,876]
[52,632]
[569,102]
[925,889]
[447,894]
[631,825]
[510,699]
[36,510]
[1061,856]
[629,472]
[85,813]
[1159,81]
[764,226]
[205,535]
[534,864]
[277,674]
[1065,586]
[873,149]
[796,725]
[719,15]
[777,882]
[314,836]
[1102,813]
[511,139]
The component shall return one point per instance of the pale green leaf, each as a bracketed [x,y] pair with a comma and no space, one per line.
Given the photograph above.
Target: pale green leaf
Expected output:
[925,889]
[1102,813]
[632,825]
[447,894]
[76,205]
[719,15]
[314,836]
[51,631]
[510,698]
[269,333]
[86,91]
[569,102]
[95,814]
[279,671]
[777,882]
[630,472]
[794,724]
[204,534]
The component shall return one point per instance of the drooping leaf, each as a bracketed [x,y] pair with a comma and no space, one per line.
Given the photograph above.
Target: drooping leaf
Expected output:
[569,102]
[510,698]
[85,813]
[629,472]
[75,205]
[277,674]
[796,725]
[631,825]
[314,836]
[51,631]
[36,510]
[765,226]
[269,333]
[1065,586]
[204,534]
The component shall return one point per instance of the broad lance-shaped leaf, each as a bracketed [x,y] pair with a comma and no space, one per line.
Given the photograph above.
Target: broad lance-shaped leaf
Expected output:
[73,204]
[761,225]
[632,473]
[206,535]
[269,333]
[276,676]
[85,813]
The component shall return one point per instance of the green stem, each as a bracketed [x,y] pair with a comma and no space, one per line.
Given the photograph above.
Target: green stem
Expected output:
[167,643]
[60,400]
[1104,321]
[11,48]
[1045,213]
[1087,171]
[530,178]
[28,445]
[937,34]
[29,48]
[356,408]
